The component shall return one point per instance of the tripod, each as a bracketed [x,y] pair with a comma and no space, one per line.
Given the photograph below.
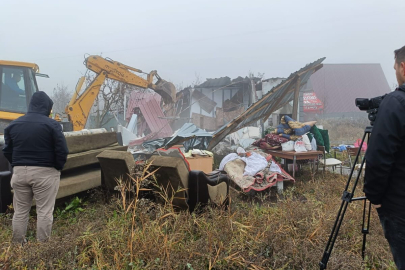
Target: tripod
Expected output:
[347,198]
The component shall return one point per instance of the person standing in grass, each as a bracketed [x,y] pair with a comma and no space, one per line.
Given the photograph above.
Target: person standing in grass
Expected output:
[36,148]
[384,184]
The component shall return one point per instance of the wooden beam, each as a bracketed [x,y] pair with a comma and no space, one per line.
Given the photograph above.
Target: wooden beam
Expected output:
[296,99]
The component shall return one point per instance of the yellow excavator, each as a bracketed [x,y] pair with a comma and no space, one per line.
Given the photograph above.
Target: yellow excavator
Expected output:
[79,106]
[18,83]
[81,172]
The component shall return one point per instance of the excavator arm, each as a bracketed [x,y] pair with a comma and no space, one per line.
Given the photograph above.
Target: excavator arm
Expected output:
[79,106]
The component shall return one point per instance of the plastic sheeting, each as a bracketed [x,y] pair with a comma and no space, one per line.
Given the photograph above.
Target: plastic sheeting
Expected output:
[127,135]
[189,135]
[245,136]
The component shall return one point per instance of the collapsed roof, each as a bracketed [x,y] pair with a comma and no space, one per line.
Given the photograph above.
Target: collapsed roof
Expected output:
[276,98]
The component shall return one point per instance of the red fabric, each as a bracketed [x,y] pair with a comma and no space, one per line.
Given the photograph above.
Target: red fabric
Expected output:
[270,141]
[270,179]
[357,144]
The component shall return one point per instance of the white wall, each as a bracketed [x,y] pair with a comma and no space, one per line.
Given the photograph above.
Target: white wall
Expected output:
[269,84]
[195,107]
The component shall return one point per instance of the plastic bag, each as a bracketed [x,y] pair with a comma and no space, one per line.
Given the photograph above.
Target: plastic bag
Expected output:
[308,145]
[288,146]
[299,146]
[314,146]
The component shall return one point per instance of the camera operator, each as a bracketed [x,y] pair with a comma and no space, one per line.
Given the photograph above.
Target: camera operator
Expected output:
[385,164]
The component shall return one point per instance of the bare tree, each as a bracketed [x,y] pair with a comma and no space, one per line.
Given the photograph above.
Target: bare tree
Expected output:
[259,75]
[196,81]
[179,86]
[60,97]
[109,102]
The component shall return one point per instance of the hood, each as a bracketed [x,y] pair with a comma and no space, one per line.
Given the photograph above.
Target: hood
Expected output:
[40,103]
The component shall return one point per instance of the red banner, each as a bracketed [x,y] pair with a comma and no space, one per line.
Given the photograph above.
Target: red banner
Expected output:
[312,103]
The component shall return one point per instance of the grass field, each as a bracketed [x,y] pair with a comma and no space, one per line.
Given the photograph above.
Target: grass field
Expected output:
[263,231]
[344,130]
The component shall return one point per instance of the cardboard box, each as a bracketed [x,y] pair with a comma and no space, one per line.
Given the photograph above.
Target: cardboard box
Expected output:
[201,163]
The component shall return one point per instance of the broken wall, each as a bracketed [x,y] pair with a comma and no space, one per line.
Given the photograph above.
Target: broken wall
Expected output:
[205,122]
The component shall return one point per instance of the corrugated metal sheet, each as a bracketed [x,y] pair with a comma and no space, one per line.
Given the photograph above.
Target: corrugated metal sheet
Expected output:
[189,135]
[337,85]
[279,96]
[136,98]
[149,104]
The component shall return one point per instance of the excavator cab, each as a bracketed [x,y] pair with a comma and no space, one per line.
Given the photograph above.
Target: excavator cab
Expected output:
[18,83]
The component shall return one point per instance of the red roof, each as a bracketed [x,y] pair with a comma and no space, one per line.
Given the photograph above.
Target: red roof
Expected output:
[149,104]
[338,85]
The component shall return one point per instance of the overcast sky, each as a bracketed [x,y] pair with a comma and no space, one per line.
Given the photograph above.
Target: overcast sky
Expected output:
[211,38]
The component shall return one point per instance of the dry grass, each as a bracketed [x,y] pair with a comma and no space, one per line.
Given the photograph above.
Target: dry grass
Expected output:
[262,232]
[344,130]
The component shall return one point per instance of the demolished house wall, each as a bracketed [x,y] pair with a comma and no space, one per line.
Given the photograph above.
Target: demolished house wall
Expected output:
[218,101]
[263,88]
[183,108]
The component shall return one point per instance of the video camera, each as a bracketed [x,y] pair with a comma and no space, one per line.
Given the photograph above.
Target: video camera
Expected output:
[370,105]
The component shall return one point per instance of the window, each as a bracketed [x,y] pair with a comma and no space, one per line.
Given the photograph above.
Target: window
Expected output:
[31,83]
[12,89]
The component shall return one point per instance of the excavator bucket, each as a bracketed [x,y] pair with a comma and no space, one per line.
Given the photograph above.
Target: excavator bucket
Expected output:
[167,90]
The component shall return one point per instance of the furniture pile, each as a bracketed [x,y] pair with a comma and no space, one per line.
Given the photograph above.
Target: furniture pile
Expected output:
[187,188]
[292,137]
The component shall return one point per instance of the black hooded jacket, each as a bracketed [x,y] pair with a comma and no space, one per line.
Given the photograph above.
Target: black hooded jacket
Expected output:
[35,139]
[385,157]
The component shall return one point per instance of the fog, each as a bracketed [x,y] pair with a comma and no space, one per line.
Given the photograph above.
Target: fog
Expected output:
[209,38]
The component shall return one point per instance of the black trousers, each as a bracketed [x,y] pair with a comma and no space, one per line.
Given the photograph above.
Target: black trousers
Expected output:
[394,231]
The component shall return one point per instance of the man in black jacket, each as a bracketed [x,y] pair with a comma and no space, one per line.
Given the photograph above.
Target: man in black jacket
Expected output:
[385,164]
[36,148]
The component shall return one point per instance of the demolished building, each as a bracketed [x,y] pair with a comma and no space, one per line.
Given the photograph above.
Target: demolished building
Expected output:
[223,106]
[279,96]
[217,101]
